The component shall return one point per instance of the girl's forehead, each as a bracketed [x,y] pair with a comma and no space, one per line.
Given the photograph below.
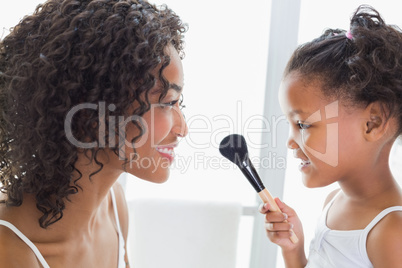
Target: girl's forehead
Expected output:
[296,83]
[298,95]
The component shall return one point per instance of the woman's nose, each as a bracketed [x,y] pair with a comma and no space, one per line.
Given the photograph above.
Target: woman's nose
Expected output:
[180,127]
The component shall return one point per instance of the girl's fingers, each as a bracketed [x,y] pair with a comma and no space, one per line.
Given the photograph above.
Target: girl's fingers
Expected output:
[276,236]
[278,226]
[283,207]
[276,216]
[263,208]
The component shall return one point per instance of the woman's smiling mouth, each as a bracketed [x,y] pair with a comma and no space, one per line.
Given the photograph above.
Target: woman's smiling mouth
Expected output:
[167,151]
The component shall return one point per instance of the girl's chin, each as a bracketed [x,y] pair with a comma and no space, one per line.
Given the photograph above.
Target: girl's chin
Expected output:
[310,182]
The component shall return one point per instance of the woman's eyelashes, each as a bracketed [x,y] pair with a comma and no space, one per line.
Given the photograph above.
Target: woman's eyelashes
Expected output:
[302,125]
[181,105]
[170,104]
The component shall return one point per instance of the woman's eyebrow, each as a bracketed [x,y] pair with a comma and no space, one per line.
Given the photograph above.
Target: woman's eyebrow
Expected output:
[176,87]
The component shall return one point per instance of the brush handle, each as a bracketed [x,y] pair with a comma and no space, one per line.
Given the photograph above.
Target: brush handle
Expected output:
[266,197]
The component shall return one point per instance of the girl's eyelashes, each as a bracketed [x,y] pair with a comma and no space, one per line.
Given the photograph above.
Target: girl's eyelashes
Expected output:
[302,125]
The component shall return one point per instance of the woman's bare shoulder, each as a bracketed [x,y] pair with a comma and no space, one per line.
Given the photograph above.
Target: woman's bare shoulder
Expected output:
[121,207]
[14,252]
[384,240]
[123,215]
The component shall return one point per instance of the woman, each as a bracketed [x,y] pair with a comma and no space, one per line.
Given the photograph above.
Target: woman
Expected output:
[89,90]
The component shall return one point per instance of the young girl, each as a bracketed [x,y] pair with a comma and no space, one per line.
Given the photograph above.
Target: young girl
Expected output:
[342,95]
[88,90]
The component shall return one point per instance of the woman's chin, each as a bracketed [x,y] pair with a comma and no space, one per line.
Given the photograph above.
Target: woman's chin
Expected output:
[157,177]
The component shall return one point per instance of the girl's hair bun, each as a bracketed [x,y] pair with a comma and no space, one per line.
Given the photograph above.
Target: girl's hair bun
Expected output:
[359,65]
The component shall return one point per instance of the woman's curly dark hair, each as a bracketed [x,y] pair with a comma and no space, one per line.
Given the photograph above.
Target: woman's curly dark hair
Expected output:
[67,53]
[361,68]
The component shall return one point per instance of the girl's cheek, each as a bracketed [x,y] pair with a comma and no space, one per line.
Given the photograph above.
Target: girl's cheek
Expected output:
[314,140]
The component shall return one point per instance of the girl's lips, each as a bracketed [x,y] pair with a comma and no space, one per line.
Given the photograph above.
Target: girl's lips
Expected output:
[304,164]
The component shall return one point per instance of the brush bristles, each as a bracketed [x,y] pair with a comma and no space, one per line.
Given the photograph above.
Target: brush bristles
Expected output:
[234,148]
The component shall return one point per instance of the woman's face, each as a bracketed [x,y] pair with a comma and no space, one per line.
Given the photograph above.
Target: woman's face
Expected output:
[163,126]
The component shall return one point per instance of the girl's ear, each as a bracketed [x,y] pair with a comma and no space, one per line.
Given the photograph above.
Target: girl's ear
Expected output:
[376,124]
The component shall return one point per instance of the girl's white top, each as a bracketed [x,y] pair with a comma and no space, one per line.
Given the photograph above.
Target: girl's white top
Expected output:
[335,249]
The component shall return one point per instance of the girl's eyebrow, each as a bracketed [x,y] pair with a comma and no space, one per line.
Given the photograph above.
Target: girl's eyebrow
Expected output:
[295,112]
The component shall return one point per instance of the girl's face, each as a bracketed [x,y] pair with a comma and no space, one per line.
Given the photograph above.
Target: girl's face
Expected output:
[324,135]
[163,125]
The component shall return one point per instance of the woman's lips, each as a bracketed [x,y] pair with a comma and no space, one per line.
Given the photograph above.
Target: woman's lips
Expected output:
[167,151]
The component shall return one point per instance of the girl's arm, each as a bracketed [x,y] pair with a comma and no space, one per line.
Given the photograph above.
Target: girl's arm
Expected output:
[278,231]
[384,242]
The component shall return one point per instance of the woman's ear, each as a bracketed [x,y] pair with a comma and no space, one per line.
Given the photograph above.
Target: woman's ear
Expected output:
[376,123]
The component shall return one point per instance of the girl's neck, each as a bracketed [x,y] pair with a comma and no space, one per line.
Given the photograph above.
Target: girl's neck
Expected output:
[373,184]
[372,177]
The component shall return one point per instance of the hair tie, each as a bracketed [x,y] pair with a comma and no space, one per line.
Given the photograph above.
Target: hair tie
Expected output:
[349,35]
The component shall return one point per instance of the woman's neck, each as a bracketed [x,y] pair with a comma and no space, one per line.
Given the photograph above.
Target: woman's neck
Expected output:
[83,210]
[93,195]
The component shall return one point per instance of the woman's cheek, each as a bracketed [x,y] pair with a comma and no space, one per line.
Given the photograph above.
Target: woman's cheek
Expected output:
[161,125]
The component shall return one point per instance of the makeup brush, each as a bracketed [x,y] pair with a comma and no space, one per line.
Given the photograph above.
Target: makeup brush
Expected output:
[234,148]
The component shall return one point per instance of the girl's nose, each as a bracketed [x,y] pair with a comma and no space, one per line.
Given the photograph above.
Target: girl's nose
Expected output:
[291,143]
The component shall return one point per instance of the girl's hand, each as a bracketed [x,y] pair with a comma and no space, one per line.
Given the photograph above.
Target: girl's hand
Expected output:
[278,230]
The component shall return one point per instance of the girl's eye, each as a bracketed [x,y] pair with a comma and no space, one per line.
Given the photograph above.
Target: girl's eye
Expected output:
[302,125]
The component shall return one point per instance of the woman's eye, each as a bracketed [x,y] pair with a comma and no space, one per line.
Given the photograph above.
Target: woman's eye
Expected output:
[302,125]
[169,104]
[181,105]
